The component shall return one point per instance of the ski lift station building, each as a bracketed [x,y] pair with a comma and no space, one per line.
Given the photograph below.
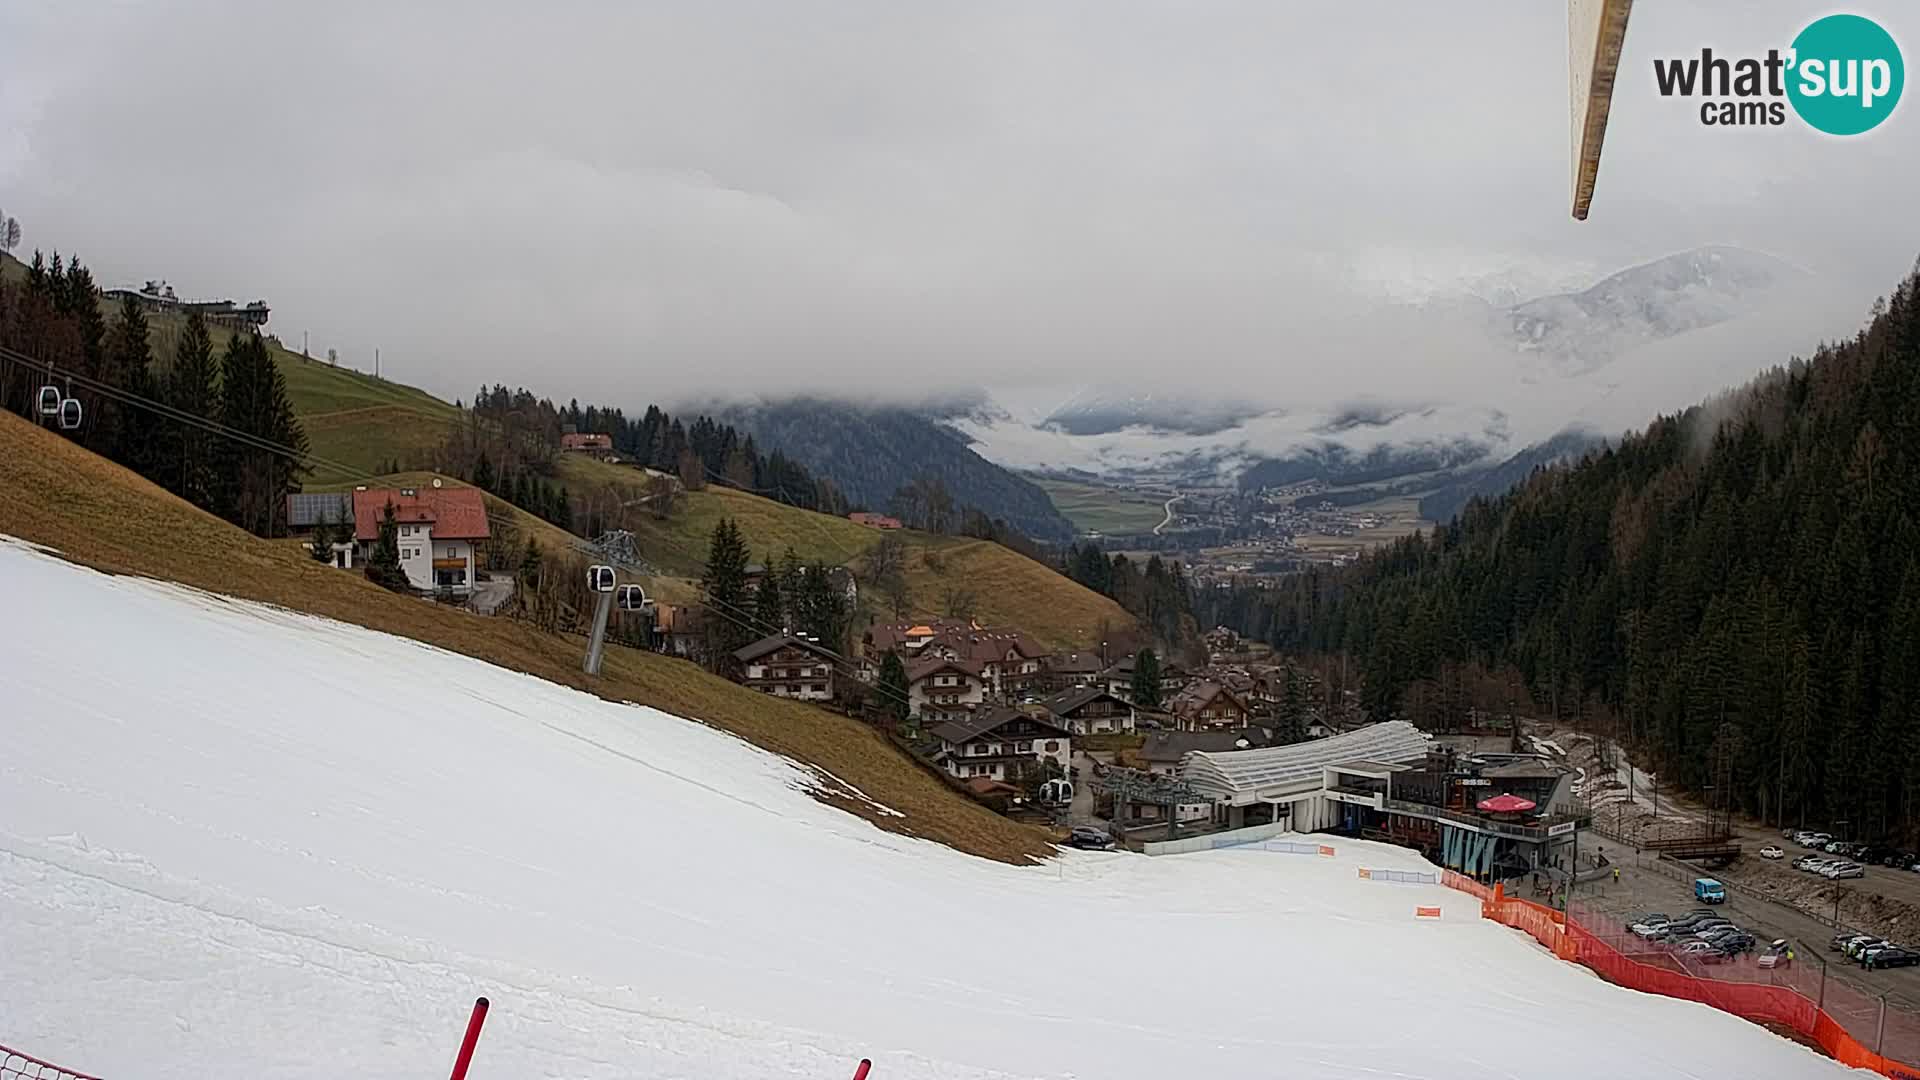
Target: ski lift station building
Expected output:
[1391,782]
[1302,785]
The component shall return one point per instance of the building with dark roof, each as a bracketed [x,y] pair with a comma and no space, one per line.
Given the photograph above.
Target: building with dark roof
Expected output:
[786,665]
[1163,751]
[1090,710]
[1208,706]
[307,509]
[937,686]
[1000,744]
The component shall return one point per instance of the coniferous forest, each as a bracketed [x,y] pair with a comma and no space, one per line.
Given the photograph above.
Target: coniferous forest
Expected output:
[1734,592]
[53,316]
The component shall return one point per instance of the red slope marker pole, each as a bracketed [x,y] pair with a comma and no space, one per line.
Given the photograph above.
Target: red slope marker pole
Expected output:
[473,1036]
[861,1072]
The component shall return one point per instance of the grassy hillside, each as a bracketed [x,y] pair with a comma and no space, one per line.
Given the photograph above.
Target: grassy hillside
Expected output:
[671,589]
[363,423]
[1009,589]
[98,514]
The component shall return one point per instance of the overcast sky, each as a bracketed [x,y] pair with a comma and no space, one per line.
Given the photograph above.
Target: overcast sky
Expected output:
[631,202]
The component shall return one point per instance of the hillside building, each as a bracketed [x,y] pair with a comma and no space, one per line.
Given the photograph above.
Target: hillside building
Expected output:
[437,530]
[999,744]
[788,666]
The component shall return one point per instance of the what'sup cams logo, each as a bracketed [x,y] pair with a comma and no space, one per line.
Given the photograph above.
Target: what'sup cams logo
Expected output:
[1842,75]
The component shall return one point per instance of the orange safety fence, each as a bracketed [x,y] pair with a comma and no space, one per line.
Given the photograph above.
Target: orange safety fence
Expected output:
[1800,999]
[1465,884]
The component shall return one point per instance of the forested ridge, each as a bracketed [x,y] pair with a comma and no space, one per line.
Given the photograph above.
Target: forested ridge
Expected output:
[883,457]
[1735,591]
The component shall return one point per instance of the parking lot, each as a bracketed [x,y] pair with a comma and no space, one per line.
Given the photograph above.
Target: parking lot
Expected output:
[1647,884]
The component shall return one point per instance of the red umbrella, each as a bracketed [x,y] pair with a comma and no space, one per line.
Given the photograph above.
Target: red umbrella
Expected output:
[1506,804]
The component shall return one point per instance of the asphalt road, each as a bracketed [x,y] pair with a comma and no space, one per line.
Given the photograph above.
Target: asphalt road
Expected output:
[1642,889]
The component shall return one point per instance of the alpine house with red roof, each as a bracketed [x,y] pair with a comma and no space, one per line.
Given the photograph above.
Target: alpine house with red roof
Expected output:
[437,531]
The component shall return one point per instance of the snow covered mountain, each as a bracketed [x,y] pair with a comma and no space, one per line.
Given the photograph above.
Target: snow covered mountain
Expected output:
[237,842]
[1101,410]
[1582,331]
[1657,336]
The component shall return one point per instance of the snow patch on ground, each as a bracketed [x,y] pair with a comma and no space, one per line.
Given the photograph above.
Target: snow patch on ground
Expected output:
[243,842]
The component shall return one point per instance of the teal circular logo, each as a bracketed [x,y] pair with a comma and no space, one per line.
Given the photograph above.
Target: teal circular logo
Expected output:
[1846,74]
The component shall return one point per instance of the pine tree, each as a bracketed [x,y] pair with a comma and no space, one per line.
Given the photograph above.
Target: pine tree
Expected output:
[190,388]
[769,602]
[725,586]
[892,687]
[127,429]
[820,609]
[1146,680]
[383,564]
[255,482]
[321,546]
[483,473]
[1293,709]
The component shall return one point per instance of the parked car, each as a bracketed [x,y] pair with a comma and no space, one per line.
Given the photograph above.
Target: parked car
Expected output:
[1694,949]
[1709,890]
[1839,940]
[1863,942]
[1816,840]
[1837,847]
[1813,864]
[1846,870]
[1899,860]
[1685,925]
[1648,919]
[1871,949]
[1772,851]
[1736,944]
[1778,955]
[1089,838]
[1893,957]
[1693,931]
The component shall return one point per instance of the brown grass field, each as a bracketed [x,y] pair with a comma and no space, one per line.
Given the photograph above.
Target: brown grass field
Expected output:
[98,514]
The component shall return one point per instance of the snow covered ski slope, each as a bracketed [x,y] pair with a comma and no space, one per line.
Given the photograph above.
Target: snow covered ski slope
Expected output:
[238,842]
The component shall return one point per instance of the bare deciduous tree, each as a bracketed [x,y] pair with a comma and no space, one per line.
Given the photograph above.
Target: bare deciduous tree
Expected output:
[662,495]
[958,603]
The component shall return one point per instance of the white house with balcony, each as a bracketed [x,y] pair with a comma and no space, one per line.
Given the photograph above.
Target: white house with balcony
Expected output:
[937,686]
[1001,744]
[436,530]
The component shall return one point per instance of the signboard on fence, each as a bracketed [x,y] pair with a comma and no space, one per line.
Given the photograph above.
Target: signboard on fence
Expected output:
[1473,781]
[1426,913]
[1561,829]
[1366,874]
[1326,850]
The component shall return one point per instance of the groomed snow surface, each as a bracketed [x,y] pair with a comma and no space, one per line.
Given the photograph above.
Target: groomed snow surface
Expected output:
[239,842]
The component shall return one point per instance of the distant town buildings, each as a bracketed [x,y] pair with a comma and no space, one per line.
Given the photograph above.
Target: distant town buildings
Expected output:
[874,521]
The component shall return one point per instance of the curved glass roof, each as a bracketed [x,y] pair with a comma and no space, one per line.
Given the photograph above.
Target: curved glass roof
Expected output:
[1230,771]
